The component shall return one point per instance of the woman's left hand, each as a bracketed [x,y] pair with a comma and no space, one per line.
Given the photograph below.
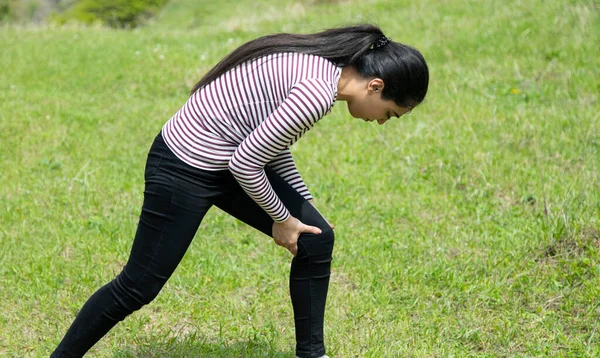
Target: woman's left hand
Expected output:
[313,204]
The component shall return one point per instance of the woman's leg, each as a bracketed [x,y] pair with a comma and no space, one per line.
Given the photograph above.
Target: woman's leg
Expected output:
[310,271]
[171,213]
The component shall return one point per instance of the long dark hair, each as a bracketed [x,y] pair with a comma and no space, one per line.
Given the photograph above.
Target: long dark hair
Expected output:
[402,68]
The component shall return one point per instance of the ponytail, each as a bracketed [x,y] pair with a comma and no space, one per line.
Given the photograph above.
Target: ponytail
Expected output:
[344,46]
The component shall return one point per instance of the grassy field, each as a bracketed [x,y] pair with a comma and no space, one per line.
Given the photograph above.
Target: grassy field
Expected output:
[470,228]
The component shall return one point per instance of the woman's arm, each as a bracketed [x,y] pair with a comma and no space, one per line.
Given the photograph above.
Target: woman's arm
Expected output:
[283,164]
[307,102]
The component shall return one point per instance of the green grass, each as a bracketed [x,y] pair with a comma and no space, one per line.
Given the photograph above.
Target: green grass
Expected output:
[469,228]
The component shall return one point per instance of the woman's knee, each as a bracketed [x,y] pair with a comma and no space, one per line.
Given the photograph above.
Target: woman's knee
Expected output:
[133,295]
[314,256]
[317,246]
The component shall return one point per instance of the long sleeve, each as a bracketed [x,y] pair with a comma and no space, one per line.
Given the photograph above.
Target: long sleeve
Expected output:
[308,101]
[283,163]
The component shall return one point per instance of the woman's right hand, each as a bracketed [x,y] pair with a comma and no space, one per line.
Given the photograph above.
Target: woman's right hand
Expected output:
[286,233]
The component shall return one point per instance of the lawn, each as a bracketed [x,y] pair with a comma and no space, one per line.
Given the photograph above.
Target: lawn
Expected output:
[470,228]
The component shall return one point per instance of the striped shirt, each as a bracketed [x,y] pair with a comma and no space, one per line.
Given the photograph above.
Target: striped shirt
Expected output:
[248,118]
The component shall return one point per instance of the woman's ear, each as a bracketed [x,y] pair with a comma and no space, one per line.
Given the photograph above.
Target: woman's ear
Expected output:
[375,86]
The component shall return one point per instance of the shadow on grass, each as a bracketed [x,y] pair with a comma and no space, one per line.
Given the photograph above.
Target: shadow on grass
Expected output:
[196,348]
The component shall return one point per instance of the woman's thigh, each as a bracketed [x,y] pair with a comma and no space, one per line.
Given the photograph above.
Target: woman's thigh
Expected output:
[176,199]
[238,204]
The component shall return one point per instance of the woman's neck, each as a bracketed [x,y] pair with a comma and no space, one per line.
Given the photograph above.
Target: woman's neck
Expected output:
[349,83]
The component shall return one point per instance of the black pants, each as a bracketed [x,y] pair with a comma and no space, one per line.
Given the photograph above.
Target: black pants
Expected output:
[176,198]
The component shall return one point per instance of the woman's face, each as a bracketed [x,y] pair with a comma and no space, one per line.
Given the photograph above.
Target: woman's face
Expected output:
[370,106]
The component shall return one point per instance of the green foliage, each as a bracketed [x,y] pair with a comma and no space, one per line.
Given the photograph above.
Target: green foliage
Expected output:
[20,11]
[4,9]
[113,13]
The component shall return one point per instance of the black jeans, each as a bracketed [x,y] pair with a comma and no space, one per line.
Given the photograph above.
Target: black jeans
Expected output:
[176,198]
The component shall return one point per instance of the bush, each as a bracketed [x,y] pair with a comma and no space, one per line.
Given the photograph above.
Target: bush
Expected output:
[4,9]
[23,11]
[114,13]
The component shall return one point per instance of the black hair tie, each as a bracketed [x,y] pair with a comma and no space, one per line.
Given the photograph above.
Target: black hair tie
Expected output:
[381,42]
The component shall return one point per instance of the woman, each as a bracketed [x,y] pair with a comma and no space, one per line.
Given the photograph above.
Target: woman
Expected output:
[229,146]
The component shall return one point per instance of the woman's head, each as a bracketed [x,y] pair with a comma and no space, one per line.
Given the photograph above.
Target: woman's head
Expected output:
[392,79]
[402,69]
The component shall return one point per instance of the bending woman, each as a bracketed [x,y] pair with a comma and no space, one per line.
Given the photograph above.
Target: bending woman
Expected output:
[228,146]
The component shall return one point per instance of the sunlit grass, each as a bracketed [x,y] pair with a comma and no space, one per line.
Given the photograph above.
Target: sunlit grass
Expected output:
[470,227]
